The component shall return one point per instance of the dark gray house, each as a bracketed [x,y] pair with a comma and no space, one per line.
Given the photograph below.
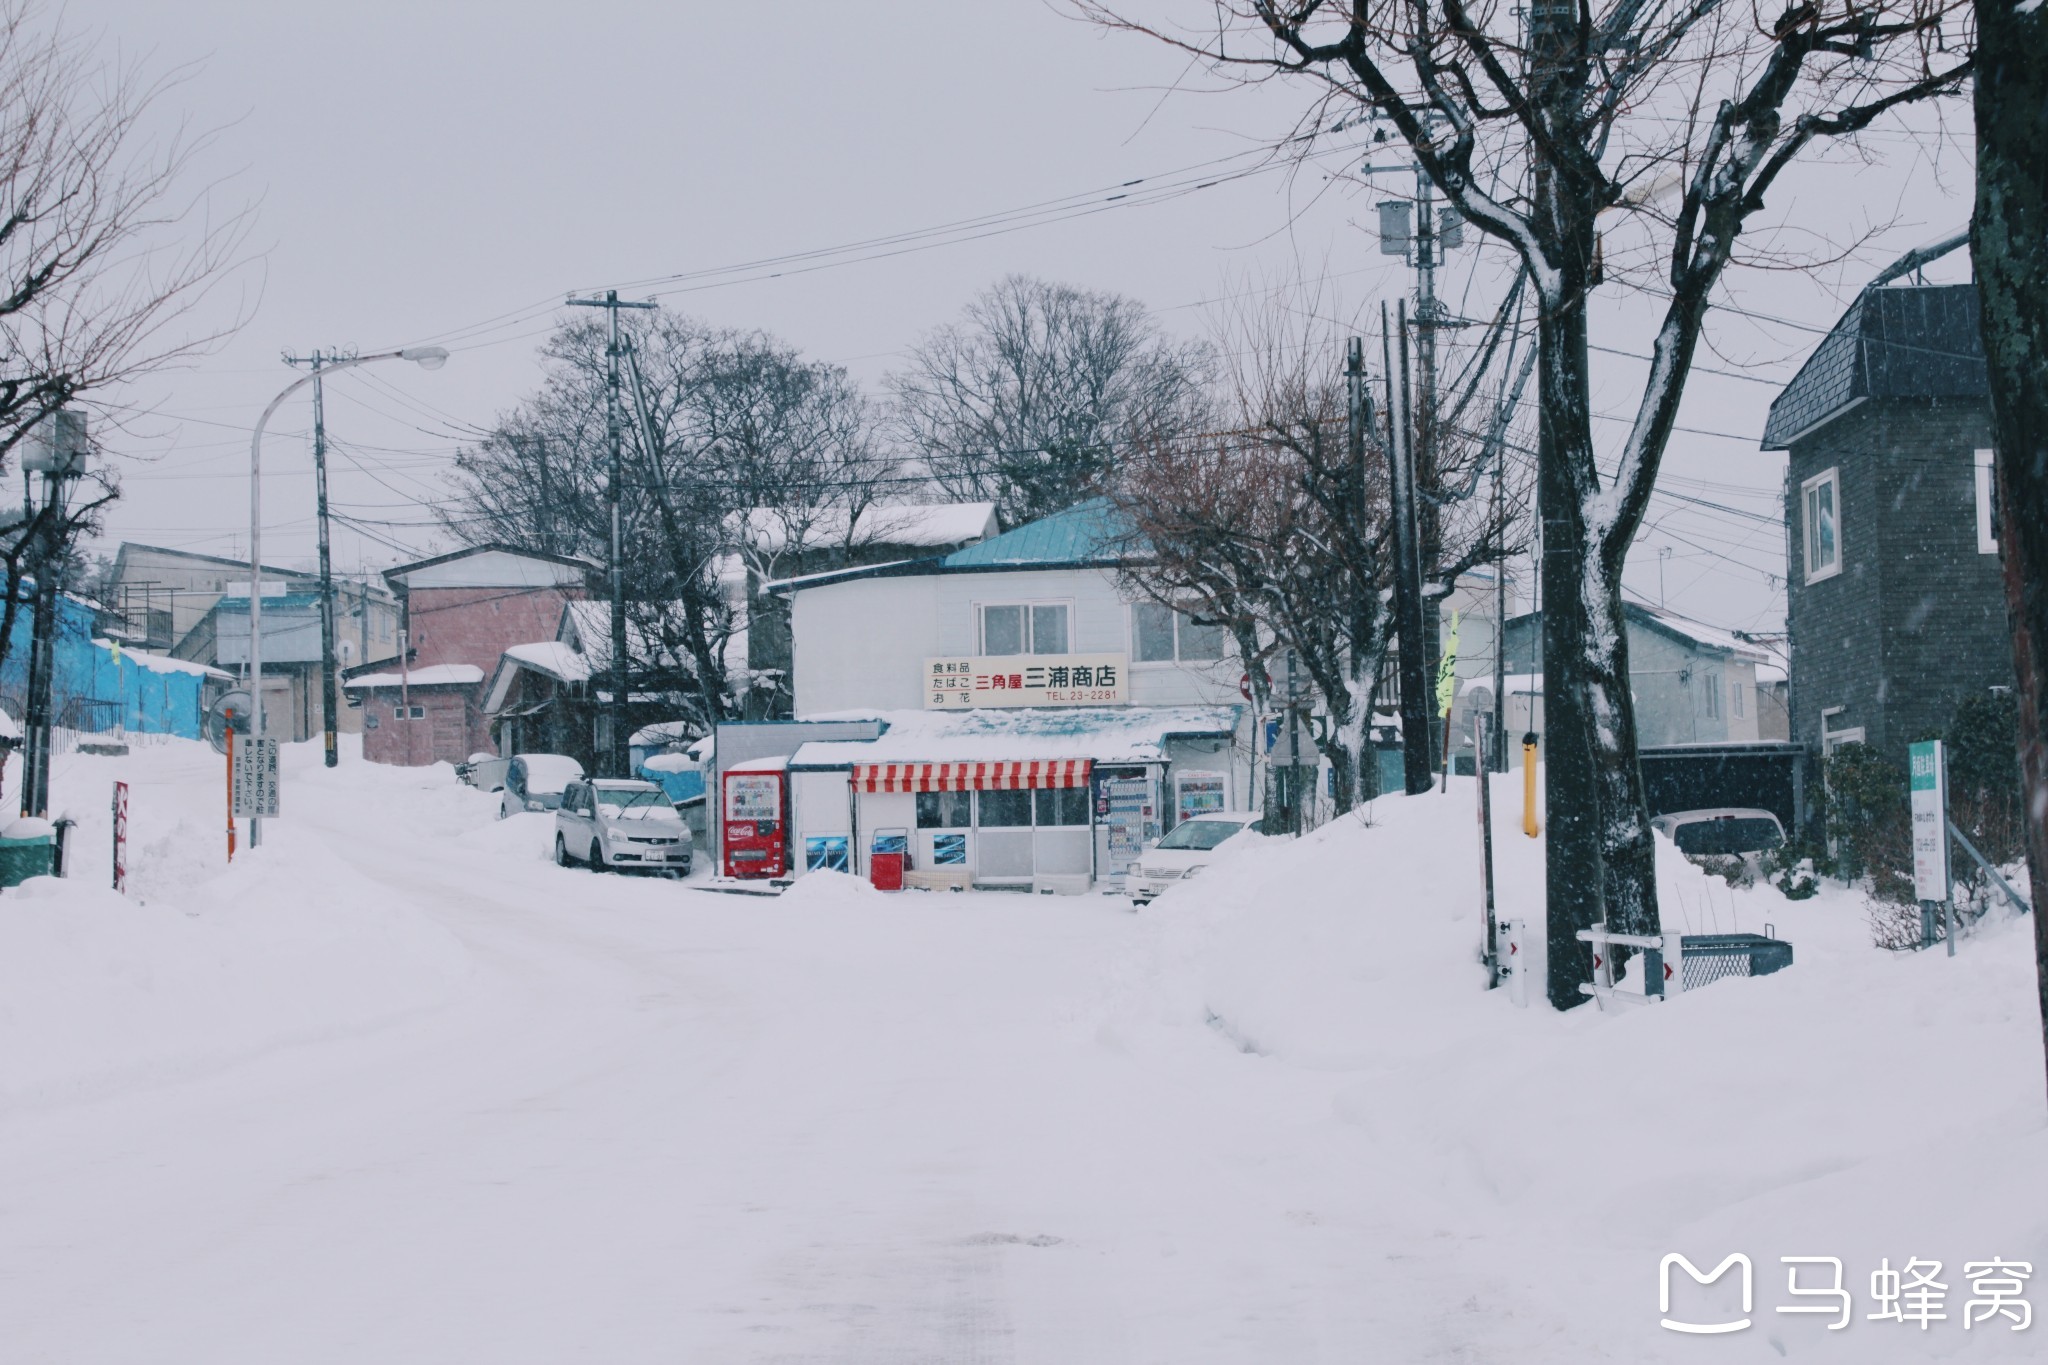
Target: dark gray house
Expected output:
[1894,604]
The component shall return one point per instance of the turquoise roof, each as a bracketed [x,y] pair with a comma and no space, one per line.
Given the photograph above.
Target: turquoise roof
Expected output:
[1093,532]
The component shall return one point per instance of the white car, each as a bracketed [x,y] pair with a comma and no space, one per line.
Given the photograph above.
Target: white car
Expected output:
[1721,832]
[1187,848]
[620,823]
[536,782]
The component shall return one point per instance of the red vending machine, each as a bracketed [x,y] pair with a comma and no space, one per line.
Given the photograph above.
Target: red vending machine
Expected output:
[754,821]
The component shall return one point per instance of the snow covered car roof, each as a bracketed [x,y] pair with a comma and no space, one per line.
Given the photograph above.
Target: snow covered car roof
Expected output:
[549,772]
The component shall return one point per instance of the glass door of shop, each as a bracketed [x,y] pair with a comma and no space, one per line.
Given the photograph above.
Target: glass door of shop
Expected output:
[1003,836]
[1062,844]
[945,831]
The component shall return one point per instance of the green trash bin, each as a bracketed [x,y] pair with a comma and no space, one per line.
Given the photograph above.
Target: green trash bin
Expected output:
[28,848]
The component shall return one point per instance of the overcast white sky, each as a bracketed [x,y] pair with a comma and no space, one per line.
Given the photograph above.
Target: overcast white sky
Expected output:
[434,170]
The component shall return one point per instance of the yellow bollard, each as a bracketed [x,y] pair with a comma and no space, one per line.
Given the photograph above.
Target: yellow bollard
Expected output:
[1529,826]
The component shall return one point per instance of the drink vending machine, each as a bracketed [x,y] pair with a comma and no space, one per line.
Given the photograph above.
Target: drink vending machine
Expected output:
[754,823]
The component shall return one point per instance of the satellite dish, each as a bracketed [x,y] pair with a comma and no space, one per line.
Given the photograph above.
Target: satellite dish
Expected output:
[217,721]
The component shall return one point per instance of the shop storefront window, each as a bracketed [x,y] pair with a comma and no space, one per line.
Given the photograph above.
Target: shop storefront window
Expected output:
[1005,809]
[1062,806]
[944,810]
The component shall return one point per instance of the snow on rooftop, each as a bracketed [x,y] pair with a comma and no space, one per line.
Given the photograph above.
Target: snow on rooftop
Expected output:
[1105,734]
[590,623]
[434,675]
[163,663]
[1714,637]
[553,658]
[663,732]
[925,526]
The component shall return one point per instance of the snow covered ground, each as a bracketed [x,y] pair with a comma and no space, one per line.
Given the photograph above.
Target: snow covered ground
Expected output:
[394,1088]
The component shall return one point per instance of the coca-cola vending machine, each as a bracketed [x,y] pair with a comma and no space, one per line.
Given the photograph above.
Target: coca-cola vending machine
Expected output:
[754,823]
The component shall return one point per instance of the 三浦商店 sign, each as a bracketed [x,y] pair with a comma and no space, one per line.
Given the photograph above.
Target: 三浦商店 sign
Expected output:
[1026,680]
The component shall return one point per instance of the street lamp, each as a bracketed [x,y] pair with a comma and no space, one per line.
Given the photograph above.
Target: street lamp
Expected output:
[427,358]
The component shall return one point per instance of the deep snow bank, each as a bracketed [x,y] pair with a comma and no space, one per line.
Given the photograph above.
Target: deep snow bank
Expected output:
[1861,1104]
[202,963]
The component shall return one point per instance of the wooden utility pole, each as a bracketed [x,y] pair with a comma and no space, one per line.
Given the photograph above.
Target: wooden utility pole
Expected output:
[1410,623]
[612,760]
[330,691]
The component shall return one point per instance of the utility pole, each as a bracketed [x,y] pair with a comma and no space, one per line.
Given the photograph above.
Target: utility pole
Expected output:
[1358,413]
[1409,622]
[330,692]
[1421,239]
[1497,753]
[613,759]
[57,451]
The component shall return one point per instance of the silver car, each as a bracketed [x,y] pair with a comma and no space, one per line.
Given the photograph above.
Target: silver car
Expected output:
[617,823]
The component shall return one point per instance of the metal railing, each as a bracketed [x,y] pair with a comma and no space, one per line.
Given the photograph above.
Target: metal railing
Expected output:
[1680,962]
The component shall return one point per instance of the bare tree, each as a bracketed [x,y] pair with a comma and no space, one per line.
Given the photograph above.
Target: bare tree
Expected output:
[1275,522]
[730,431]
[2009,250]
[1534,130]
[1026,402]
[102,258]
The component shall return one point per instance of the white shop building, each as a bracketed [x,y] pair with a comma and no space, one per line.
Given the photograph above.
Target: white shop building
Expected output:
[1035,719]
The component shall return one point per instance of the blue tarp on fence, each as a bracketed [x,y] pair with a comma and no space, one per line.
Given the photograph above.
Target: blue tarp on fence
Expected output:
[93,689]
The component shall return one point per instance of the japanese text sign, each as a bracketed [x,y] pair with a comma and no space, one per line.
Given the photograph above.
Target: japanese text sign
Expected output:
[1026,680]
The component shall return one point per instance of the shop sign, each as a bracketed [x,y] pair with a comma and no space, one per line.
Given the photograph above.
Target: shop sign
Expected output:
[962,684]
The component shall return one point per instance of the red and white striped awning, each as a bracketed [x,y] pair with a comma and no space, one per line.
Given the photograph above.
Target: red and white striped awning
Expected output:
[963,777]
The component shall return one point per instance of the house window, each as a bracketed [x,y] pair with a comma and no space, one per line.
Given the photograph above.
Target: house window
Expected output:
[408,713]
[1159,635]
[1821,498]
[1024,628]
[1712,695]
[1735,704]
[1987,504]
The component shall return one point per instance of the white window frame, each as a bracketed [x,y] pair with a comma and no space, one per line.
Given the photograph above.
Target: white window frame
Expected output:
[1712,693]
[1179,614]
[1984,475]
[1735,705]
[1833,478]
[1026,603]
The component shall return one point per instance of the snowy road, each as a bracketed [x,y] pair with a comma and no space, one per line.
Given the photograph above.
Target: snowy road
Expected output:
[657,1124]
[396,1089]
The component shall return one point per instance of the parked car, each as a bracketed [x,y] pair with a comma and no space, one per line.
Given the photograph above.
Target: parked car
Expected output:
[485,772]
[536,782]
[1709,836]
[619,823]
[1187,848]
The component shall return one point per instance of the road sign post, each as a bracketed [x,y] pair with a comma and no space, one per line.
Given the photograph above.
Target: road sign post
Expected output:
[254,766]
[1489,952]
[120,836]
[1928,769]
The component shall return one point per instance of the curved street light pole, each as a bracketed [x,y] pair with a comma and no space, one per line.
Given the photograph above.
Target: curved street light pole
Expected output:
[427,357]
